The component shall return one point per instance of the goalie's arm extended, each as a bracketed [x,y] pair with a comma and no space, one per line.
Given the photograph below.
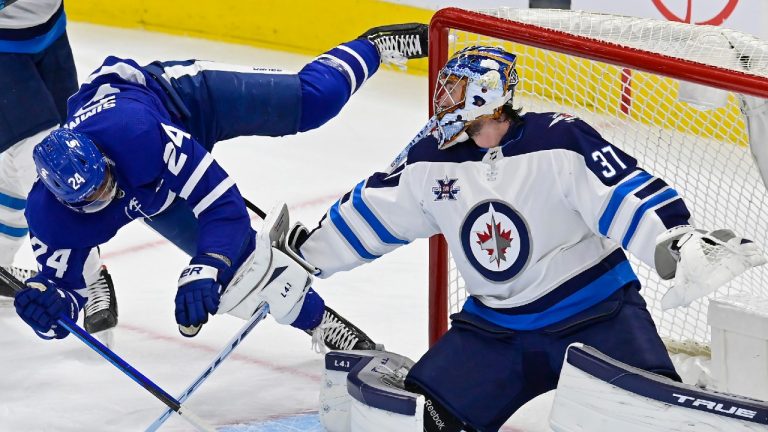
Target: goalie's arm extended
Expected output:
[380,214]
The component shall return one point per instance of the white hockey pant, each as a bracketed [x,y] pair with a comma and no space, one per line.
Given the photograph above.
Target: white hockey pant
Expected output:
[17,173]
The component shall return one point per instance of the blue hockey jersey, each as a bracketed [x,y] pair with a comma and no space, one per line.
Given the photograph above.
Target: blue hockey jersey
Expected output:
[535,226]
[155,161]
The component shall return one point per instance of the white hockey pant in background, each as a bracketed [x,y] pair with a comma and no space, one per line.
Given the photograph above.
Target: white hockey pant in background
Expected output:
[598,394]
[17,173]
[362,391]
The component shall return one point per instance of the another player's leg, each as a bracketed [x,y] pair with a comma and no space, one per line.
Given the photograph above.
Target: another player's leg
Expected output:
[219,101]
[17,173]
[35,88]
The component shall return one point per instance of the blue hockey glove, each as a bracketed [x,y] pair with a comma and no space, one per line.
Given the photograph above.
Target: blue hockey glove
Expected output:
[42,304]
[199,293]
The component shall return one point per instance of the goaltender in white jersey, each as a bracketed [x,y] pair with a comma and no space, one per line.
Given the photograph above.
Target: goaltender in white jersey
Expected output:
[537,210]
[528,218]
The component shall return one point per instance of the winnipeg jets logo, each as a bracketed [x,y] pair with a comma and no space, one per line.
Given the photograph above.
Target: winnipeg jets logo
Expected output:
[558,117]
[446,189]
[496,241]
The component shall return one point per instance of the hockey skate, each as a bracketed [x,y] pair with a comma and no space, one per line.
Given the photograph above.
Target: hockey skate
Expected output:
[409,40]
[101,308]
[336,333]
[6,292]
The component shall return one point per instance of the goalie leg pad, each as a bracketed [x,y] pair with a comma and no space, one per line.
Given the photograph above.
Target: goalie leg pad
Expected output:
[599,394]
[362,391]
[483,372]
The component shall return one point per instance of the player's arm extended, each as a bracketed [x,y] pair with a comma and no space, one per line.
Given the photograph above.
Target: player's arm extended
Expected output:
[193,174]
[380,214]
[616,198]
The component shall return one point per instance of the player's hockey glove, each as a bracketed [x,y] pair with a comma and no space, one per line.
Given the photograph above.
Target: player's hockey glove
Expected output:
[42,303]
[701,262]
[199,293]
[399,42]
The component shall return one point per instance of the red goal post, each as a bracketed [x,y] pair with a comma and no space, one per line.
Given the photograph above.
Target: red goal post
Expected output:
[452,19]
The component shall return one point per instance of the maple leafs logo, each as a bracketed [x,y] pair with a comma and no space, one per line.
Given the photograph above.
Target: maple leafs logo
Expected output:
[495,241]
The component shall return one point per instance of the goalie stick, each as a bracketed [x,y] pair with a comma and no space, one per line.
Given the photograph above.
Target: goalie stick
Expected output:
[118,362]
[260,314]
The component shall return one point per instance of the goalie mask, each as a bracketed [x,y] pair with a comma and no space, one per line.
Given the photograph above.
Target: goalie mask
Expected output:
[75,171]
[475,83]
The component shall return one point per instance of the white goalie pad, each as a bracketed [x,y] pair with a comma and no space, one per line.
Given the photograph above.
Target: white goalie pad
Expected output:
[362,392]
[269,274]
[598,394]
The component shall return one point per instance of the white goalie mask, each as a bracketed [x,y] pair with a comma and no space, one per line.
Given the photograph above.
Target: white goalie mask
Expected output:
[475,83]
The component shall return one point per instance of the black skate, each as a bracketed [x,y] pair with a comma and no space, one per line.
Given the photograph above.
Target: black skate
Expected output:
[20,274]
[336,333]
[101,308]
[410,40]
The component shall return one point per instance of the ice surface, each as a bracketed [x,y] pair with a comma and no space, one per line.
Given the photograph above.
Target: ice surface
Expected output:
[273,376]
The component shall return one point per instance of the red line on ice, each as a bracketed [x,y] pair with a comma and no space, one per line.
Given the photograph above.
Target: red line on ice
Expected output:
[163,242]
[187,343]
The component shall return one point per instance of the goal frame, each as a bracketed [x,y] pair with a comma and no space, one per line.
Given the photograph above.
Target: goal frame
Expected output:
[448,19]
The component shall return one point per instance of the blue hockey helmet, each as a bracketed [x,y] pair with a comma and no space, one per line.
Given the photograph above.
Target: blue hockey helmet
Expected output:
[475,83]
[75,171]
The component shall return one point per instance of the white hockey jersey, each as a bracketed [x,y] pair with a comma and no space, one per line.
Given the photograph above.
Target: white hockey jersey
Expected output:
[536,226]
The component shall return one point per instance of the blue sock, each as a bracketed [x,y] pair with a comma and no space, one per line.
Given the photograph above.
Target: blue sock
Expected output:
[311,311]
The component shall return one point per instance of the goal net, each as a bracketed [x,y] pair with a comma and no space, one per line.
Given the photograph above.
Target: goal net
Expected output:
[667,93]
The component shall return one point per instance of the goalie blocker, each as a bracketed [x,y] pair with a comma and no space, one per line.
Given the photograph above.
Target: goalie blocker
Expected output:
[275,274]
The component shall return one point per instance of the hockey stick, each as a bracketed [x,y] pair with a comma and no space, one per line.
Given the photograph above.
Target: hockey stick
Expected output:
[259,212]
[119,363]
[260,314]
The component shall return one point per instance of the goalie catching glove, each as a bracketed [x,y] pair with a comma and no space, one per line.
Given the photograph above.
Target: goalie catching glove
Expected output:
[701,262]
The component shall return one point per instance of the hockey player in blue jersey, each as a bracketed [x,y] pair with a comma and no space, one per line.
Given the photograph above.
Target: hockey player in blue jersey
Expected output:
[37,75]
[537,210]
[136,145]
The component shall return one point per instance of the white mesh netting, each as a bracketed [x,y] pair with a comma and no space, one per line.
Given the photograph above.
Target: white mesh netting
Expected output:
[702,152]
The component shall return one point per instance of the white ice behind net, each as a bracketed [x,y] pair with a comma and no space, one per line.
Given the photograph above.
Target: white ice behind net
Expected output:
[702,153]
